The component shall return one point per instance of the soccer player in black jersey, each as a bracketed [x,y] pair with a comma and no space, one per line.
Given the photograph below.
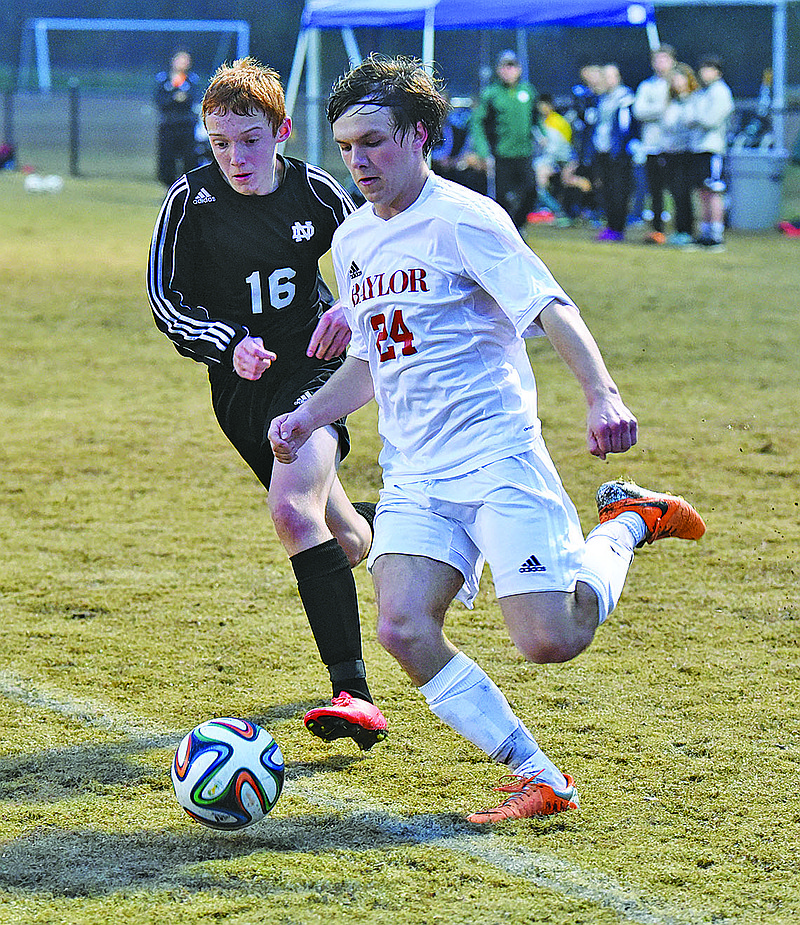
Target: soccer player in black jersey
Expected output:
[233,280]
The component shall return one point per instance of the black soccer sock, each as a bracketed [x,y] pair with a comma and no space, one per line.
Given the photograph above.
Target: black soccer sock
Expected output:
[328,592]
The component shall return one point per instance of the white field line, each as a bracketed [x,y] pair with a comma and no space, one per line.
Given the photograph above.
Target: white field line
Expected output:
[541,869]
[90,714]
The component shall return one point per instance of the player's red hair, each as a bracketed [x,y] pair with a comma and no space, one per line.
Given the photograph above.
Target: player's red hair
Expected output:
[244,88]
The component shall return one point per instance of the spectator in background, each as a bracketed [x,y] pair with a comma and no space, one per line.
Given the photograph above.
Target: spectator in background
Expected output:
[711,112]
[178,93]
[502,129]
[583,116]
[454,158]
[791,226]
[581,198]
[649,106]
[676,133]
[8,156]
[612,137]
[556,163]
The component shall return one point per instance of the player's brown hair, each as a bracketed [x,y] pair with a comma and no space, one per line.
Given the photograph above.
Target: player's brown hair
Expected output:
[244,88]
[402,85]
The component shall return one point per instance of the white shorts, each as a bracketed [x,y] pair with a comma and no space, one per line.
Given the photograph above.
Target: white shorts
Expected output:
[513,514]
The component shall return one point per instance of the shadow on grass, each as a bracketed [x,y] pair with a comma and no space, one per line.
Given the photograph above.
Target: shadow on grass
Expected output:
[73,863]
[80,862]
[59,774]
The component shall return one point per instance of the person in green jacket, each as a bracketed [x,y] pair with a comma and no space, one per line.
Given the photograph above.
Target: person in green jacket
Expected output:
[502,128]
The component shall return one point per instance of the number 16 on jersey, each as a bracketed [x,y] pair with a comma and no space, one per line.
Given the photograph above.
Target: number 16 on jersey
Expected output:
[281,289]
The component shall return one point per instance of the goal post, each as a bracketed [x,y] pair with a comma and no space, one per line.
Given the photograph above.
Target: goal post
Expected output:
[36,37]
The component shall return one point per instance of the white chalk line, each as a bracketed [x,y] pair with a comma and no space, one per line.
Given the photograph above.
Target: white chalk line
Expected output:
[89,714]
[541,869]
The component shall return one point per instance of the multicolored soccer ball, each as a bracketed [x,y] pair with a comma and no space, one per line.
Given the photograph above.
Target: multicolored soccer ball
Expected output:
[228,773]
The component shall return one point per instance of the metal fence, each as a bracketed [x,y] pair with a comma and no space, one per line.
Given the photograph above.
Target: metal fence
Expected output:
[105,134]
[82,134]
[102,134]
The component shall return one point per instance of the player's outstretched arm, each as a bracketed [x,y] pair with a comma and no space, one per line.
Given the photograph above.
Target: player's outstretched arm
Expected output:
[348,389]
[331,335]
[610,426]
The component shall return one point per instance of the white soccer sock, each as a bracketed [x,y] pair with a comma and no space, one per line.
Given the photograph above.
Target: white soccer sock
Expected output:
[609,552]
[521,752]
[464,697]
[633,523]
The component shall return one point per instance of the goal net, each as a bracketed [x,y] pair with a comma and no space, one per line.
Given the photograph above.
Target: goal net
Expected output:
[112,52]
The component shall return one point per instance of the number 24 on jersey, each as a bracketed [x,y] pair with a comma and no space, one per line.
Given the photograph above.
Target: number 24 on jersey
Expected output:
[390,334]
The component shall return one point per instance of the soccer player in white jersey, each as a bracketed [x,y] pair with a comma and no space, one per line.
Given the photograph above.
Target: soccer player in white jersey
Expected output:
[440,291]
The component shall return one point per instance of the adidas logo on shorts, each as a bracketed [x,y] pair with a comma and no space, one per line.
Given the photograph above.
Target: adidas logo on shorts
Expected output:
[203,196]
[532,564]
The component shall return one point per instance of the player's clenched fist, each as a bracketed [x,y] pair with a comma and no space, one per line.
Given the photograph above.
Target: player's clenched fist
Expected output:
[611,428]
[251,358]
[287,433]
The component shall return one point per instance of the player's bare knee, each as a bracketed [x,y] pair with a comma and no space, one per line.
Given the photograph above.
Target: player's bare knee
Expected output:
[355,553]
[553,647]
[399,633]
[394,636]
[291,521]
[552,653]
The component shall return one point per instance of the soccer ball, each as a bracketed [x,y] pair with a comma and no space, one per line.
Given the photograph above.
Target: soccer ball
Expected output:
[228,773]
[34,183]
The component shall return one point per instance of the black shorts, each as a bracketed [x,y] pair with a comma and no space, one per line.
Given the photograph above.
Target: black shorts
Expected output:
[245,409]
[708,171]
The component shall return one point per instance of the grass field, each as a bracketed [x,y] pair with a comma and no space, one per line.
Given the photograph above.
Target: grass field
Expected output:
[143,590]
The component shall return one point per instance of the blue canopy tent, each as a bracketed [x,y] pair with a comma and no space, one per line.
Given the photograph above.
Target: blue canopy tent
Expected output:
[456,14]
[430,15]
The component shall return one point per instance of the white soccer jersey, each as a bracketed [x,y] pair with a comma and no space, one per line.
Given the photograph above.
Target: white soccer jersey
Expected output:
[440,298]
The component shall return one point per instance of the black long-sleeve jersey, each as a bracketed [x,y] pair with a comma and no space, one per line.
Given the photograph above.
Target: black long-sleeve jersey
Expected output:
[223,265]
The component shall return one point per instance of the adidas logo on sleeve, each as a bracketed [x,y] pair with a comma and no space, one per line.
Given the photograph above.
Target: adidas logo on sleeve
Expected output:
[532,564]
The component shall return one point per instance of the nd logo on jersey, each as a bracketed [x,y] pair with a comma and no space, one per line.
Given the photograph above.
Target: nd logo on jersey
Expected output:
[302,231]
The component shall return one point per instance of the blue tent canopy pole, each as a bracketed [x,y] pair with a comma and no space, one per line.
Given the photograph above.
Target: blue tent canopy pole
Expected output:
[428,36]
[779,28]
[306,56]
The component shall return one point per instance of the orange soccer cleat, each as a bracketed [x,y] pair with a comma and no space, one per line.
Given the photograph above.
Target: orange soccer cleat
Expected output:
[348,716]
[664,515]
[529,797]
